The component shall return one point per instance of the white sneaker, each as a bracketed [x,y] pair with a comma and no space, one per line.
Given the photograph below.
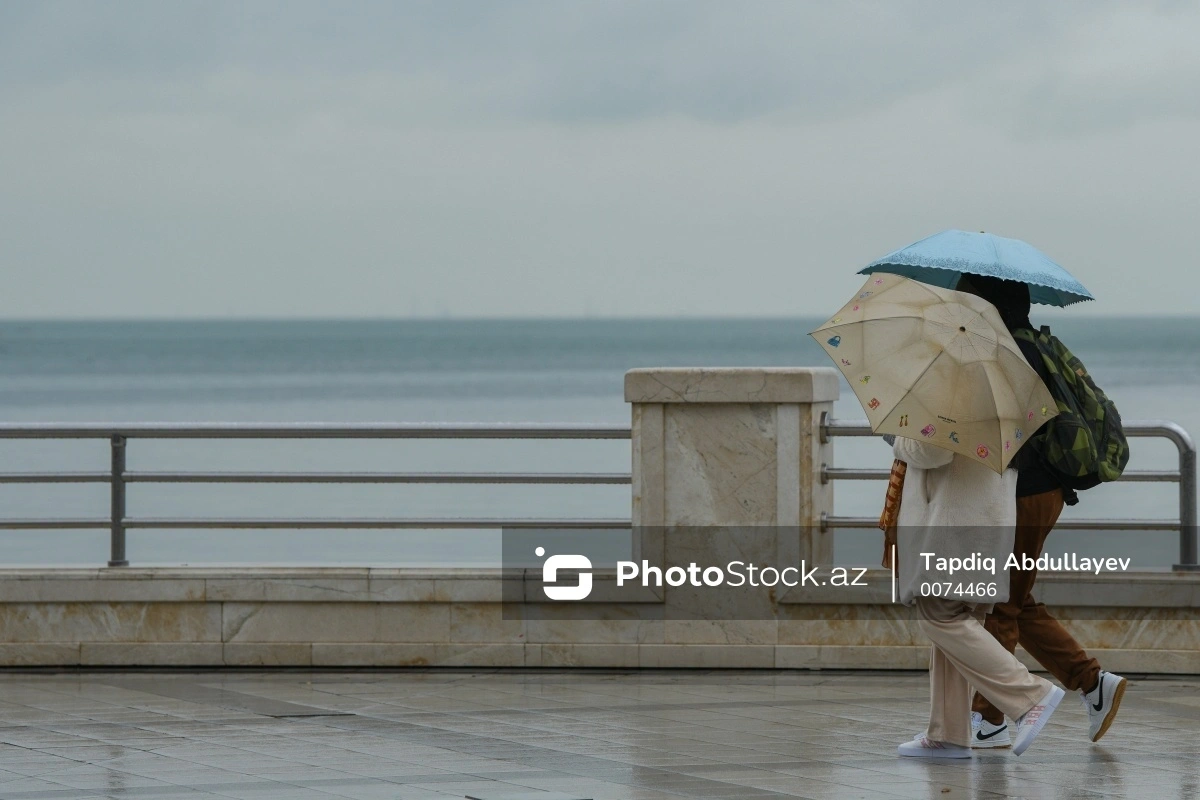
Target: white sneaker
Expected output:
[924,747]
[1102,703]
[985,734]
[1030,724]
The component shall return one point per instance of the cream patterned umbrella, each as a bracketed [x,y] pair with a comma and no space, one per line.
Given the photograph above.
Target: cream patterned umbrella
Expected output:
[938,366]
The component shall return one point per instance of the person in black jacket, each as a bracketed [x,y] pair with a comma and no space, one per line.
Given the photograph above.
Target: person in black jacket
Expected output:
[1040,499]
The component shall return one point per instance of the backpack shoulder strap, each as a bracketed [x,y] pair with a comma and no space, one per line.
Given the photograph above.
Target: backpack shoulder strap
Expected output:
[1027,334]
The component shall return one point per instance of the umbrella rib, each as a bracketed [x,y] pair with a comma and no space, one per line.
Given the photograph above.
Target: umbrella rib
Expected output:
[974,349]
[928,367]
[987,376]
[955,376]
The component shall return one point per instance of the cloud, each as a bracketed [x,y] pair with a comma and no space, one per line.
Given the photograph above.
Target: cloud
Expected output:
[366,159]
[1134,64]
[592,62]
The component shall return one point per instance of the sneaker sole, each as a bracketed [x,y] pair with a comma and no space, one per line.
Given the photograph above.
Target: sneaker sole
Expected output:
[935,754]
[1112,712]
[1022,744]
[990,746]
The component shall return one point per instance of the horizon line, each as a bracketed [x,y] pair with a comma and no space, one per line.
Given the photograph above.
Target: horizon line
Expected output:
[529,318]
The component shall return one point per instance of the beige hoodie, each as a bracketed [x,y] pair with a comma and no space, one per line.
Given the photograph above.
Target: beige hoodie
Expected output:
[953,507]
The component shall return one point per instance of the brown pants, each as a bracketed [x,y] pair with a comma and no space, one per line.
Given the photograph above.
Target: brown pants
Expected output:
[1022,620]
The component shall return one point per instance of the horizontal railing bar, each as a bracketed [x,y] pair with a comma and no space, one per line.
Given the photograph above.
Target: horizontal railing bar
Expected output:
[55,477]
[828,522]
[1063,524]
[1142,428]
[1149,476]
[847,427]
[315,524]
[371,430]
[1132,475]
[52,524]
[362,523]
[586,478]
[450,522]
[847,474]
[310,430]
[459,523]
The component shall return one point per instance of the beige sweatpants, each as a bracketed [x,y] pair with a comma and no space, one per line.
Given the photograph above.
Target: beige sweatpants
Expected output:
[965,655]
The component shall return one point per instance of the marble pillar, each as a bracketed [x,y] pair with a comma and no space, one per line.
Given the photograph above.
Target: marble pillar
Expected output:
[732,446]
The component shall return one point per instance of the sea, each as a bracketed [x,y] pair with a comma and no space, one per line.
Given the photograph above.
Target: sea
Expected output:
[457,370]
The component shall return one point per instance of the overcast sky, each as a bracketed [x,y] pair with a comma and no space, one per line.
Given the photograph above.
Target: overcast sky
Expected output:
[358,159]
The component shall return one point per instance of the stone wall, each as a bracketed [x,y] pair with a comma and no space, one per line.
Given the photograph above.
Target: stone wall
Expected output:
[338,617]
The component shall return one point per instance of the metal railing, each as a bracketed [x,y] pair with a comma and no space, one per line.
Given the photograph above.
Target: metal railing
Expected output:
[119,477]
[1185,476]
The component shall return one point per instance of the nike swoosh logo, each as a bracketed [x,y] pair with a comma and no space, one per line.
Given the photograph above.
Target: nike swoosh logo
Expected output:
[1100,689]
[983,737]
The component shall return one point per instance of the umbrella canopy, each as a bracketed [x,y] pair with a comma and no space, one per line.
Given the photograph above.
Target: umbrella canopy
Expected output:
[938,366]
[941,259]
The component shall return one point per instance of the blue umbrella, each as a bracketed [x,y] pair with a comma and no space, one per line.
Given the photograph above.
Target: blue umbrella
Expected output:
[940,260]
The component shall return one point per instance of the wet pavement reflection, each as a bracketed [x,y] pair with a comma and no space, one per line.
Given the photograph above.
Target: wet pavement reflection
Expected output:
[551,735]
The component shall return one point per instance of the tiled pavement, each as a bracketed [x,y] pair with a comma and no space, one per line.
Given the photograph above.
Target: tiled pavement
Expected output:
[431,735]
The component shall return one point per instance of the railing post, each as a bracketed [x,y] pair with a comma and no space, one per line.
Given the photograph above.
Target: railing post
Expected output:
[117,508]
[1187,506]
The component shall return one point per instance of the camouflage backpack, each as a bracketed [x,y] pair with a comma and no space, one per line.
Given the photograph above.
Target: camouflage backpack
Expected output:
[1084,445]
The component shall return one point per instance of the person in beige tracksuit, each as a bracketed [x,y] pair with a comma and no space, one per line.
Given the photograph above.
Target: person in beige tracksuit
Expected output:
[952,505]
